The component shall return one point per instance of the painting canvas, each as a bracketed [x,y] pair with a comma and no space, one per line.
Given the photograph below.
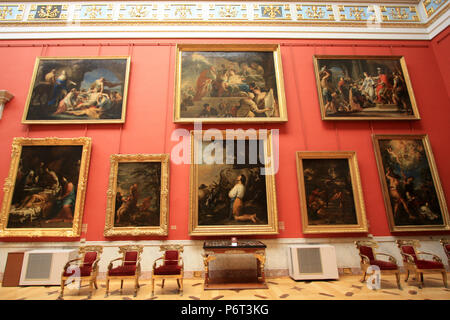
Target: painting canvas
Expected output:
[330,192]
[412,191]
[231,194]
[138,195]
[229,83]
[78,90]
[45,189]
[364,88]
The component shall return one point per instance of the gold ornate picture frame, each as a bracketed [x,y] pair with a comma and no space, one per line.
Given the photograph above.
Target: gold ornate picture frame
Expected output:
[217,205]
[138,195]
[229,83]
[412,192]
[45,189]
[364,88]
[68,90]
[331,197]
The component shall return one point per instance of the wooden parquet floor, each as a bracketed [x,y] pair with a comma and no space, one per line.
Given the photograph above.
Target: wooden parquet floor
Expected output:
[348,287]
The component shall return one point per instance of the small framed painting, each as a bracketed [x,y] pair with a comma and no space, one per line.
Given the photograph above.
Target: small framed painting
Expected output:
[412,192]
[330,192]
[229,83]
[364,88]
[138,195]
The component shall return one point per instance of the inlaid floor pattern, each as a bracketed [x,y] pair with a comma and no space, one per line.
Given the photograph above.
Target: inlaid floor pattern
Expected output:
[348,287]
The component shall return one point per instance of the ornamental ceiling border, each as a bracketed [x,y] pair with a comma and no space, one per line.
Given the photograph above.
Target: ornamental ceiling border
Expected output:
[372,17]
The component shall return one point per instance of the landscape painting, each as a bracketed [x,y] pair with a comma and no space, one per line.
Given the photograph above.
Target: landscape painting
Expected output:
[138,195]
[229,83]
[45,190]
[364,88]
[412,191]
[330,192]
[78,90]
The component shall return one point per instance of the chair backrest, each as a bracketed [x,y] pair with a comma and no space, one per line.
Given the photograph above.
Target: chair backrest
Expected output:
[408,247]
[172,253]
[89,254]
[366,248]
[446,244]
[131,254]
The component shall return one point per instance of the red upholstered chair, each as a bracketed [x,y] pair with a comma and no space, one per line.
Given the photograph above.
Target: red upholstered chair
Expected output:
[89,256]
[415,264]
[169,266]
[129,268]
[369,257]
[446,245]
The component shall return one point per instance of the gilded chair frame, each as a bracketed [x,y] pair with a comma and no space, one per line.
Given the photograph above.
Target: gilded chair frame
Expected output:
[92,278]
[178,277]
[365,261]
[411,266]
[123,251]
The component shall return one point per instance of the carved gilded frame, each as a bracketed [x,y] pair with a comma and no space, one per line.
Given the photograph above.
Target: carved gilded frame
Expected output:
[10,184]
[110,229]
[423,148]
[271,200]
[384,112]
[358,199]
[65,63]
[274,49]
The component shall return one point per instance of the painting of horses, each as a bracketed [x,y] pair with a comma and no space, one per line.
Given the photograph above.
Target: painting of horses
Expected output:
[45,190]
[413,195]
[364,88]
[138,195]
[229,83]
[330,192]
[230,191]
[78,90]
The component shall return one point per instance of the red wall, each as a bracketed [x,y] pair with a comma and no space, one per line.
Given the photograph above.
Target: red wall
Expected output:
[149,125]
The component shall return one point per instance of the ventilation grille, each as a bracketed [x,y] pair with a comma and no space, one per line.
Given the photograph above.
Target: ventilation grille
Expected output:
[39,266]
[309,260]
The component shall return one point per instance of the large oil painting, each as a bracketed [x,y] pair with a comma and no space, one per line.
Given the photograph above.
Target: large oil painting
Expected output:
[412,191]
[232,193]
[45,189]
[330,192]
[364,88]
[229,83]
[138,195]
[78,90]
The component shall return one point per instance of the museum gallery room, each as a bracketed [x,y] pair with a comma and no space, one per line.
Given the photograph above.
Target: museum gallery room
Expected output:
[218,151]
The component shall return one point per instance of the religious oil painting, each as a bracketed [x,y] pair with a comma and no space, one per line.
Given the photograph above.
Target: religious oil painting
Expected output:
[78,90]
[330,192]
[229,83]
[138,195]
[364,88]
[232,184]
[45,190]
[412,192]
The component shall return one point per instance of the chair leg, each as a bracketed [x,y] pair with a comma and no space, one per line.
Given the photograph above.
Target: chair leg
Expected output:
[397,276]
[107,287]
[136,286]
[95,283]
[418,278]
[162,286]
[444,277]
[181,286]
[91,288]
[178,283]
[62,288]
[407,275]
[364,277]
[153,287]
[121,286]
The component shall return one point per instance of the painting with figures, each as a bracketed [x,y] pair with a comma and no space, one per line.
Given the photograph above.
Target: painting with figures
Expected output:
[78,90]
[229,84]
[364,88]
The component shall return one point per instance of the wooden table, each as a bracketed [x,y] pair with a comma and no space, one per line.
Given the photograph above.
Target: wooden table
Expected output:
[213,248]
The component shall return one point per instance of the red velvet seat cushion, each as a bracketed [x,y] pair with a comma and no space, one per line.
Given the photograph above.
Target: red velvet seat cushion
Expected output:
[428,264]
[85,271]
[165,270]
[384,265]
[171,257]
[367,251]
[89,258]
[125,270]
[131,258]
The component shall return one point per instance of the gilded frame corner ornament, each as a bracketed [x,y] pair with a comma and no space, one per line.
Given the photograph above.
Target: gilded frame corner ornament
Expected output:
[356,189]
[110,229]
[400,157]
[38,203]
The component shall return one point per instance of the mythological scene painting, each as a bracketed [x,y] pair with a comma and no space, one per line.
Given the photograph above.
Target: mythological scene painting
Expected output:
[233,196]
[364,88]
[413,195]
[229,84]
[78,90]
[136,203]
[49,180]
[330,192]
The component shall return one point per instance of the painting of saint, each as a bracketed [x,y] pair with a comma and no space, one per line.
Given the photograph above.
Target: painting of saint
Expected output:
[78,90]
[369,88]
